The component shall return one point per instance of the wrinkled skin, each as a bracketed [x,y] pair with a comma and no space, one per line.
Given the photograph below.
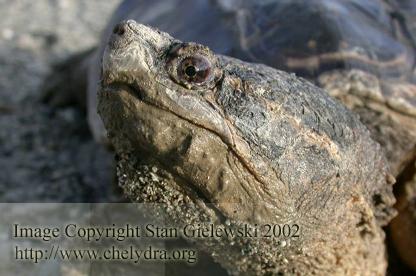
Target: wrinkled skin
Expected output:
[259,144]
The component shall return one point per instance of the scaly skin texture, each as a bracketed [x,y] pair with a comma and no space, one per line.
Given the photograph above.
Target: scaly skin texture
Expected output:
[259,144]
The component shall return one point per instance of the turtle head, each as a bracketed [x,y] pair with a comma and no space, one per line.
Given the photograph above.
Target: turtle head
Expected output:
[237,134]
[157,98]
[152,70]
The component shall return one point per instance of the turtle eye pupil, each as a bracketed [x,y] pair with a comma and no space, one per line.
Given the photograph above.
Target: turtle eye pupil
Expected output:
[190,71]
[194,69]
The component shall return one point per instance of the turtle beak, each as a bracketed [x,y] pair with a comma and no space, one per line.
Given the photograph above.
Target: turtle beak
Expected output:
[120,39]
[121,36]
[132,48]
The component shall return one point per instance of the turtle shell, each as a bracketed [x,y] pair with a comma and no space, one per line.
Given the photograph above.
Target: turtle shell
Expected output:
[308,37]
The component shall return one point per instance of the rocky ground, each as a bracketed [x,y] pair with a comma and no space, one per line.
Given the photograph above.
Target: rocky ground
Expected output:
[47,154]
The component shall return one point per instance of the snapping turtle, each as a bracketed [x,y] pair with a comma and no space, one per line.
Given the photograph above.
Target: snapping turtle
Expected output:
[362,53]
[248,144]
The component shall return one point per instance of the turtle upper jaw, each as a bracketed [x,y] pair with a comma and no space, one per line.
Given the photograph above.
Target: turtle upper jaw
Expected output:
[132,49]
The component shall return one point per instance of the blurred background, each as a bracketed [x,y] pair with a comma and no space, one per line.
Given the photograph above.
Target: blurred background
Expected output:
[47,154]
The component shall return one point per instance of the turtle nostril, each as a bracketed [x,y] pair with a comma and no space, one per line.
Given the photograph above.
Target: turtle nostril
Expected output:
[119,29]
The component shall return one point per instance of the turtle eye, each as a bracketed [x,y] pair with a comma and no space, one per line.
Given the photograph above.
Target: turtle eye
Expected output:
[193,66]
[195,69]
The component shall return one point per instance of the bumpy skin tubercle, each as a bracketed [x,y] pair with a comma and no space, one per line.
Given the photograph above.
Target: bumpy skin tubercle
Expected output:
[261,145]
